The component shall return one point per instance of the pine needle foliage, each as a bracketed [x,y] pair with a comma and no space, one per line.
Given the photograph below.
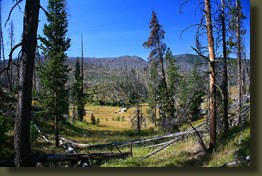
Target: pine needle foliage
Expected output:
[53,74]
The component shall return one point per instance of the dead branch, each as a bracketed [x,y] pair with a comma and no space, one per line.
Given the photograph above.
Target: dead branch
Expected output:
[43,136]
[169,143]
[201,54]
[10,57]
[46,13]
[182,4]
[9,15]
[199,139]
[188,28]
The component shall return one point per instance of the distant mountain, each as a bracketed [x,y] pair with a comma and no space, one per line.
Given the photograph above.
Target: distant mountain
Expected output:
[184,61]
[187,61]
[123,62]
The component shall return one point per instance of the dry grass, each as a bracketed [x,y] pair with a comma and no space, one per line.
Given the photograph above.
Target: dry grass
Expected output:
[108,116]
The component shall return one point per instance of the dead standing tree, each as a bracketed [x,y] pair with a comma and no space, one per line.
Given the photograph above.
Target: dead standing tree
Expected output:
[158,48]
[212,72]
[212,88]
[239,60]
[225,73]
[23,115]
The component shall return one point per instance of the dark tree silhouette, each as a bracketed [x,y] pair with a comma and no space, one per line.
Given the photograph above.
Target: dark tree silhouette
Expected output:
[23,116]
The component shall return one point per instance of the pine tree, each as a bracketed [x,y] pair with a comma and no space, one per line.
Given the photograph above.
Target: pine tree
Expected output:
[158,48]
[93,119]
[152,91]
[173,77]
[78,98]
[196,88]
[53,75]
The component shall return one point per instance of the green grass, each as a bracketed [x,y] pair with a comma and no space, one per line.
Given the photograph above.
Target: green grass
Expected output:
[187,153]
[184,153]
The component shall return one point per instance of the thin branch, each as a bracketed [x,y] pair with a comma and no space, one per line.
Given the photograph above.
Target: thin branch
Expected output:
[10,57]
[201,54]
[220,91]
[188,28]
[47,14]
[9,15]
[181,5]
[201,22]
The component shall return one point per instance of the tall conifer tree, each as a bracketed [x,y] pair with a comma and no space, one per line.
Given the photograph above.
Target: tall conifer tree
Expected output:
[53,75]
[158,48]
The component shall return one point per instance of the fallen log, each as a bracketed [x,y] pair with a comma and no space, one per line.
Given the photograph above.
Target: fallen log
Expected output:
[72,157]
[87,156]
[124,143]
[174,135]
[164,143]
[70,150]
[43,136]
[236,161]
[75,144]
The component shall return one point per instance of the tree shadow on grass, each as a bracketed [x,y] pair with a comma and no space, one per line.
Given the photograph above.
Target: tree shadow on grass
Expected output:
[196,159]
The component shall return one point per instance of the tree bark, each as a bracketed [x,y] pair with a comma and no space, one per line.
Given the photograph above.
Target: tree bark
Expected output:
[239,62]
[225,73]
[23,116]
[212,88]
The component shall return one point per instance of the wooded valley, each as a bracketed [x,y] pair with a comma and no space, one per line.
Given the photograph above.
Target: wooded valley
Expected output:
[171,110]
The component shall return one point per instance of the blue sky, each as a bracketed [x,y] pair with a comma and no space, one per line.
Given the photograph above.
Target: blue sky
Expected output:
[119,27]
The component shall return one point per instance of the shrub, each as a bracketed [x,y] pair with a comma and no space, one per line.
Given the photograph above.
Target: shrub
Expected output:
[118,118]
[5,125]
[106,119]
[93,119]
[97,121]
[123,118]
[113,119]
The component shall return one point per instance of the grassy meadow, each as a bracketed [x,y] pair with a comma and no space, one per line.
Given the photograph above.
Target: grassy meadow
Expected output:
[184,153]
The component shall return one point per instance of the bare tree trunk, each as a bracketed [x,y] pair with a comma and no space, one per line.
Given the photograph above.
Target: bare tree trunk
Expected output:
[225,74]
[212,88]
[23,116]
[11,36]
[82,63]
[17,72]
[239,62]
[2,54]
[243,80]
[138,121]
[82,77]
